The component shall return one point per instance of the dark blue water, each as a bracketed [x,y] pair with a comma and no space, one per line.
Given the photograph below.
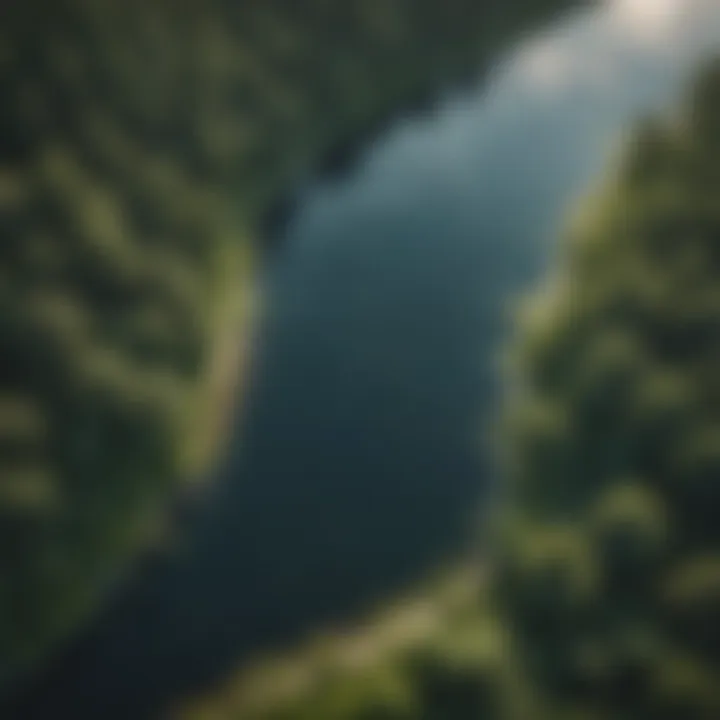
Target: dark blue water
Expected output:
[360,465]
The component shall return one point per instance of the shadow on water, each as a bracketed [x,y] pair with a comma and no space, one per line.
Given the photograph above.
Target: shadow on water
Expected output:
[388,279]
[276,544]
[338,164]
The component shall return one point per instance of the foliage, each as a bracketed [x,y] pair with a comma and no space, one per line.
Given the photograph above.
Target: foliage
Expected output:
[430,657]
[608,575]
[140,142]
[603,594]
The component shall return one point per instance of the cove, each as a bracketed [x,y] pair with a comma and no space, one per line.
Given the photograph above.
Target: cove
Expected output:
[359,465]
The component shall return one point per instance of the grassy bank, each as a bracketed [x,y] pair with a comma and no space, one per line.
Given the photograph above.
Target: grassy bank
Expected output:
[139,141]
[599,597]
[372,664]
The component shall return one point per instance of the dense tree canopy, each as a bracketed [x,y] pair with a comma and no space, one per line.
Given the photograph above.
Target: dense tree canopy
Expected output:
[140,142]
[602,599]
[610,567]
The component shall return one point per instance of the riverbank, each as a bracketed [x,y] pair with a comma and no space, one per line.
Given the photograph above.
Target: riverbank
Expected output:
[364,655]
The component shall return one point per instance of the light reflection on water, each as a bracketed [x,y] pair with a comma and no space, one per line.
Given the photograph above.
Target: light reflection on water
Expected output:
[359,465]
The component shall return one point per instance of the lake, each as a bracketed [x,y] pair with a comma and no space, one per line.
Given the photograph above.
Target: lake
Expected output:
[360,465]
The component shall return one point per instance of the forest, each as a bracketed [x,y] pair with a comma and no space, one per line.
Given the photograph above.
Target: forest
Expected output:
[142,146]
[598,596]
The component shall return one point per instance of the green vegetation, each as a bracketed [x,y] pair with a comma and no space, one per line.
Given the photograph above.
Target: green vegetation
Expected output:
[602,595]
[140,143]
[609,570]
[409,661]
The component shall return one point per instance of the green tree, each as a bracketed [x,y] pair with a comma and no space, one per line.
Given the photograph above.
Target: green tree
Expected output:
[608,573]
[141,142]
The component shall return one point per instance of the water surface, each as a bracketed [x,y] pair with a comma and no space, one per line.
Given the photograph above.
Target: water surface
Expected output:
[360,467]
